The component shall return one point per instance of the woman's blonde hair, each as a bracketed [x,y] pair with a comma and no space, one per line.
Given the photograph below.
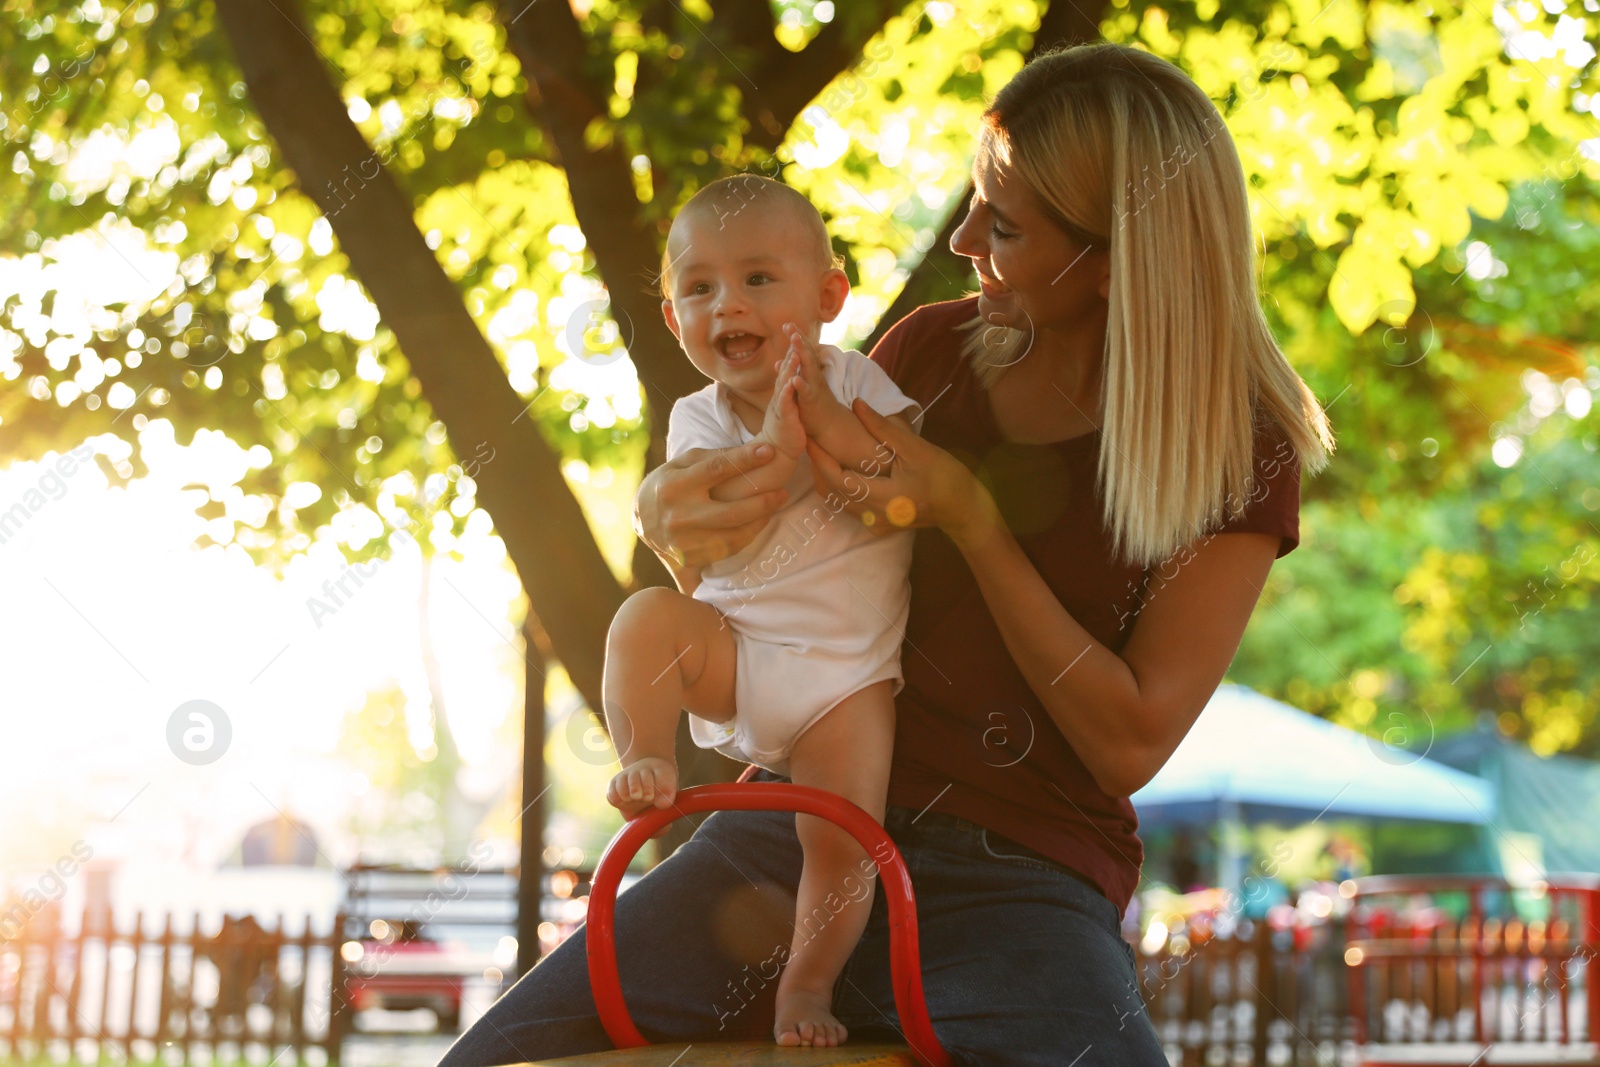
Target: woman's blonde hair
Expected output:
[1126,152]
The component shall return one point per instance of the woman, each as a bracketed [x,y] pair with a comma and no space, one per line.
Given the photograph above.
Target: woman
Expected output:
[1108,466]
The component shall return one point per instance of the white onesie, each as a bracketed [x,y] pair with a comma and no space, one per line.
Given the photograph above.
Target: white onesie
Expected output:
[817,603]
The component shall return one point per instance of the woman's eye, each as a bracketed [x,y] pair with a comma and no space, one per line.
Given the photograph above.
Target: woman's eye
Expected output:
[1000,234]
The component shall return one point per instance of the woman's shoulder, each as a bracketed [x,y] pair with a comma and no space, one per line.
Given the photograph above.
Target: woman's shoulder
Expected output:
[932,332]
[1272,504]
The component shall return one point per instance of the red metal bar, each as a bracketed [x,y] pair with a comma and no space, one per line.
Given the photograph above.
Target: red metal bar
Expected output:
[1520,962]
[1589,939]
[905,965]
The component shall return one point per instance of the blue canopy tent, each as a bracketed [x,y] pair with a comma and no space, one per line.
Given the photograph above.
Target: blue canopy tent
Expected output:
[1253,759]
[1556,799]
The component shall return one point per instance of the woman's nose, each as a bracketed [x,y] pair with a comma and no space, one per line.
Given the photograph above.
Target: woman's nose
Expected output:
[967,240]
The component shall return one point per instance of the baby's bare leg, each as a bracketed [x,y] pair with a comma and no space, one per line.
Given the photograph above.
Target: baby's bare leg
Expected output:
[846,752]
[666,652]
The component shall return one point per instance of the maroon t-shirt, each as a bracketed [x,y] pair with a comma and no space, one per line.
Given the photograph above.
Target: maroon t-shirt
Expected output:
[971,738]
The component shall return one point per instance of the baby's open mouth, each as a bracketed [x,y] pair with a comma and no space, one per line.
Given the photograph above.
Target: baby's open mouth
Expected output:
[738,346]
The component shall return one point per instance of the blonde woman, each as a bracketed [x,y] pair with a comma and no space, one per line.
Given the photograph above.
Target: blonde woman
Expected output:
[1109,464]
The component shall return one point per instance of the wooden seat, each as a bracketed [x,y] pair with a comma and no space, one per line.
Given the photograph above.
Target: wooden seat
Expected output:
[741,1054]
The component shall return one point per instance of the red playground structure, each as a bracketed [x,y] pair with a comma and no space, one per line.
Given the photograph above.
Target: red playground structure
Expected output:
[921,1047]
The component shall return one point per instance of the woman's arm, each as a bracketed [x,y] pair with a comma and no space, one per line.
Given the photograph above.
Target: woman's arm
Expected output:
[848,442]
[1123,714]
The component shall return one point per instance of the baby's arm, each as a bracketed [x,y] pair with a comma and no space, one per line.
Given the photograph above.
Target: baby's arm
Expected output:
[833,425]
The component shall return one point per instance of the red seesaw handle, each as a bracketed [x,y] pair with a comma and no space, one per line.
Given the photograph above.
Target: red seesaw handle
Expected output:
[905,965]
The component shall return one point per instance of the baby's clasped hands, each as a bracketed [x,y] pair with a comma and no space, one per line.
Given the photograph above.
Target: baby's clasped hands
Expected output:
[783,426]
[821,413]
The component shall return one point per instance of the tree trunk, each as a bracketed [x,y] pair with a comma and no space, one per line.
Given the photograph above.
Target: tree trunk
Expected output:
[567,581]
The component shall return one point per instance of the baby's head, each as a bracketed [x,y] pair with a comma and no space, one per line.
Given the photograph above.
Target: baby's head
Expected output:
[746,255]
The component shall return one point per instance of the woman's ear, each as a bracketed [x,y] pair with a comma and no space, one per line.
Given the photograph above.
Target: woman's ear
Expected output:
[835,290]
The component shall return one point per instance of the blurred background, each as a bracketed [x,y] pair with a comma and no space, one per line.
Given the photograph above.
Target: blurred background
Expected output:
[328,367]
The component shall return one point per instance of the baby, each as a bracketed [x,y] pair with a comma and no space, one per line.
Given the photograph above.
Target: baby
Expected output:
[786,654]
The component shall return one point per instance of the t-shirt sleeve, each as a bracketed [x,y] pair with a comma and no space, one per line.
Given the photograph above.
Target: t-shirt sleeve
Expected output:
[887,352]
[1273,505]
[855,376]
[693,424]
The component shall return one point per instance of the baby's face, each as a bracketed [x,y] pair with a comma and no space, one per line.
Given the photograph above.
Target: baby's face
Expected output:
[735,282]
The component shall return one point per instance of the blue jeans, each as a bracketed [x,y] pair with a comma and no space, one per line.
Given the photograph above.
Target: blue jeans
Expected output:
[1022,962]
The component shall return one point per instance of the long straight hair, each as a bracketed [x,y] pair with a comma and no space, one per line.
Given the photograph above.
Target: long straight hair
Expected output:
[1126,152]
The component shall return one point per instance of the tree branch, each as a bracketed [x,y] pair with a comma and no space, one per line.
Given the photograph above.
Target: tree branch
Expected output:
[547,41]
[791,80]
[748,24]
[567,580]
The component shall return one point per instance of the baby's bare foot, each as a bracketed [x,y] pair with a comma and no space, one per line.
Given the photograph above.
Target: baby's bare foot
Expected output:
[805,1017]
[645,782]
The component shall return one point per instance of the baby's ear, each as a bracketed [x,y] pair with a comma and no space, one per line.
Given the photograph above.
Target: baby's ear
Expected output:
[835,290]
[672,319]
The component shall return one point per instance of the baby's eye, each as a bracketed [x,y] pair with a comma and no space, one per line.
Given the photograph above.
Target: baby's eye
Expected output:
[759,279]
[699,289]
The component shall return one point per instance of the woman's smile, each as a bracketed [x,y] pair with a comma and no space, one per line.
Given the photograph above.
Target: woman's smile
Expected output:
[991,285]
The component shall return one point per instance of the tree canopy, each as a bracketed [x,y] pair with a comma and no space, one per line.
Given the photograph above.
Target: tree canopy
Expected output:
[401,253]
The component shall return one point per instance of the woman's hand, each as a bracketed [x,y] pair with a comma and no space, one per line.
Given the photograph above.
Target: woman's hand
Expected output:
[675,514]
[921,485]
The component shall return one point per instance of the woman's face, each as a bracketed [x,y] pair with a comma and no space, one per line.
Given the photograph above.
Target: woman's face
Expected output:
[1032,275]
